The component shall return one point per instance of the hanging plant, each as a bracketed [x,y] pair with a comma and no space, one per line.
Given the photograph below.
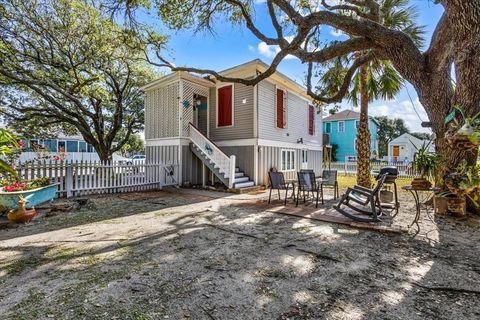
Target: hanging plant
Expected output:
[466,136]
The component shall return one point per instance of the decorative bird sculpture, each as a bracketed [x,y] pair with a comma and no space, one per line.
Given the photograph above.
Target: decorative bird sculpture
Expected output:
[22,214]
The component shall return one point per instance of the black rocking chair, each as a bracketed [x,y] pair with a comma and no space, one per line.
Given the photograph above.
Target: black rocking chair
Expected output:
[363,197]
[329,179]
[277,181]
[307,183]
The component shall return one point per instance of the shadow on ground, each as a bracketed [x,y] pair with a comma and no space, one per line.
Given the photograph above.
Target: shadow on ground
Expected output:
[225,259]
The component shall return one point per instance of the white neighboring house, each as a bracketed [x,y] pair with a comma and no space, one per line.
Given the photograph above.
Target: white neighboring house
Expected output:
[403,148]
[69,148]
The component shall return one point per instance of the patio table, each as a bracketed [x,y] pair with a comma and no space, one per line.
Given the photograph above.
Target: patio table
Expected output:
[294,183]
[427,195]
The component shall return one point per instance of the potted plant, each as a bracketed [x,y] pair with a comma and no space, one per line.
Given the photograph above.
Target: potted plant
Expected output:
[463,183]
[12,189]
[424,163]
[466,136]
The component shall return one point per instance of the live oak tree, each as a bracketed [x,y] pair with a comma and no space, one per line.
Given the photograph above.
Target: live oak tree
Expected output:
[64,64]
[445,74]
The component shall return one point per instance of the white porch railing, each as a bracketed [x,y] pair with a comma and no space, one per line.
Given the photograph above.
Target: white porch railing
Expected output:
[224,163]
[75,178]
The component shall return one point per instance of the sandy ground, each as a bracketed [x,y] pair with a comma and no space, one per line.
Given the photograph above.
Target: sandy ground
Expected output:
[206,255]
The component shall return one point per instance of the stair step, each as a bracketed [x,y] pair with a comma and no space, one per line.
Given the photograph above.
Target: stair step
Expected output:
[244,184]
[239,174]
[241,179]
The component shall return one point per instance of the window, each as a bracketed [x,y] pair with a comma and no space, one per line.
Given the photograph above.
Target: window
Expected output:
[82,146]
[72,146]
[61,146]
[357,124]
[288,160]
[311,120]
[327,127]
[341,126]
[355,145]
[90,148]
[51,145]
[225,106]
[280,101]
[304,156]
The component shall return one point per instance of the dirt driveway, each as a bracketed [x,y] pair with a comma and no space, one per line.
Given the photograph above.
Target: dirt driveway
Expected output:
[207,255]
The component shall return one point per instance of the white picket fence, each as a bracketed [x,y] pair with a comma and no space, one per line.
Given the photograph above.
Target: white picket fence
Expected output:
[76,178]
[350,168]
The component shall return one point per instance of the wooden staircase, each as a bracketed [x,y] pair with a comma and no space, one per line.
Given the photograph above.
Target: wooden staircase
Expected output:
[217,161]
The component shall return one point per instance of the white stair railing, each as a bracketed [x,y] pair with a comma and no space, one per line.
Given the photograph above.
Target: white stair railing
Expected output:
[224,163]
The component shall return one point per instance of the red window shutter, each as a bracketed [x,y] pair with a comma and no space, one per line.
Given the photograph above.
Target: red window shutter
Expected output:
[280,109]
[225,106]
[311,120]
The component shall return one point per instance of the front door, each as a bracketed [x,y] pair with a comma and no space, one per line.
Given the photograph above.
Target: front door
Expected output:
[396,152]
[201,113]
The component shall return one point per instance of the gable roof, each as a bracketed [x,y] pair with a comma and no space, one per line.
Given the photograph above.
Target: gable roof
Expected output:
[346,115]
[253,67]
[343,115]
[408,138]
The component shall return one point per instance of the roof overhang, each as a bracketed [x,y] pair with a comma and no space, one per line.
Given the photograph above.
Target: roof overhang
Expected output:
[176,76]
[254,67]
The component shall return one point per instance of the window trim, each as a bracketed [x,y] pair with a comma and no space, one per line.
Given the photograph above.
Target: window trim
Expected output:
[285,107]
[218,87]
[338,126]
[287,169]
[357,124]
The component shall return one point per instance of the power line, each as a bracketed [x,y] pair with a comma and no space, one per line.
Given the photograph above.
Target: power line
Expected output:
[413,104]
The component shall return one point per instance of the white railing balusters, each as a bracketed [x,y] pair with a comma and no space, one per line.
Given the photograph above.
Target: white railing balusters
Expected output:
[214,153]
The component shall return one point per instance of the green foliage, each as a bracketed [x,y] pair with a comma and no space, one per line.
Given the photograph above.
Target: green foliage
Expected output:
[389,129]
[66,65]
[424,161]
[470,128]
[8,147]
[134,145]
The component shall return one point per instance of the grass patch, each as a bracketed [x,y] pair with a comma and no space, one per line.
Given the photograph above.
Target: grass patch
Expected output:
[351,180]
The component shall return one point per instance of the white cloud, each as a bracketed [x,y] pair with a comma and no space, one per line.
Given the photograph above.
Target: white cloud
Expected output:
[271,51]
[403,110]
[336,33]
[251,48]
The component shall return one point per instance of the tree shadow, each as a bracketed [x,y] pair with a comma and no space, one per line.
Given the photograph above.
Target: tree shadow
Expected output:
[238,261]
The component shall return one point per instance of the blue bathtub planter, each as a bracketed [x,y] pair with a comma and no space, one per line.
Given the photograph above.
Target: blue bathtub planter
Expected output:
[34,196]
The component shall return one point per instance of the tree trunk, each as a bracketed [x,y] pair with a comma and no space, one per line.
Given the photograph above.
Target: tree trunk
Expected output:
[363,135]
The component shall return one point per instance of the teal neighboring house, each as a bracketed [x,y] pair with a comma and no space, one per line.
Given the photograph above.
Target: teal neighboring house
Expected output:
[341,129]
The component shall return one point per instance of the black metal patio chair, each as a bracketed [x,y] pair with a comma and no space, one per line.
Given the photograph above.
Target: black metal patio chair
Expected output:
[329,180]
[364,197]
[277,181]
[390,179]
[307,183]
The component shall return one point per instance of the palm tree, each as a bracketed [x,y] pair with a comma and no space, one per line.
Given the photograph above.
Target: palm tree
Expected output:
[375,79]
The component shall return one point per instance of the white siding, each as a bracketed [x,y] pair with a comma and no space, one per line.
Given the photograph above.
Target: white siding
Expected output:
[297,118]
[161,112]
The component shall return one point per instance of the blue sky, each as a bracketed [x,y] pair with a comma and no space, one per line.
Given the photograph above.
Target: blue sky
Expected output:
[232,45]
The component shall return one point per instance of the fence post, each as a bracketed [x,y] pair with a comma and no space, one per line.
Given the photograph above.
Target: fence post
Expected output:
[345,167]
[69,182]
[231,181]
